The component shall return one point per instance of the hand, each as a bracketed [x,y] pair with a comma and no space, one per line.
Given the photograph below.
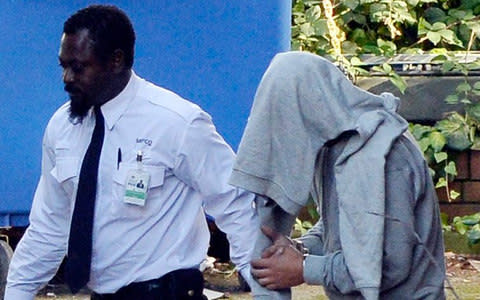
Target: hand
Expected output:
[281,265]
[277,238]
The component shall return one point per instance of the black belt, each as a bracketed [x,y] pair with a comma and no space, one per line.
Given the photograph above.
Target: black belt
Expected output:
[184,284]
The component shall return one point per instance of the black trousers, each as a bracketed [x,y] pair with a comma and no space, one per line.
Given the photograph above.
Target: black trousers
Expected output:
[184,284]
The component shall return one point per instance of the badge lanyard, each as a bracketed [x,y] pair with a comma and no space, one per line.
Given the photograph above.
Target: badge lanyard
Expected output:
[137,183]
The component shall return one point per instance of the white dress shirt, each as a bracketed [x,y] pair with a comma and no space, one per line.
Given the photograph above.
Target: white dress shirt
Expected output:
[189,164]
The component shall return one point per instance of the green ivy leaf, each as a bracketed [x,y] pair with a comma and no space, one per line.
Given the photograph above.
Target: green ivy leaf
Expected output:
[450,37]
[419,131]
[457,13]
[461,228]
[424,26]
[356,61]
[441,183]
[307,29]
[473,237]
[378,69]
[452,99]
[399,82]
[387,68]
[459,141]
[456,130]
[441,55]
[432,172]
[437,26]
[440,156]
[361,71]
[413,2]
[307,224]
[438,141]
[434,14]
[454,194]
[451,123]
[295,45]
[448,65]
[471,220]
[320,27]
[424,144]
[372,48]
[360,19]
[386,44]
[349,47]
[473,111]
[451,169]
[474,26]
[376,11]
[298,8]
[463,87]
[434,37]
[352,4]
[476,143]
[444,218]
[313,14]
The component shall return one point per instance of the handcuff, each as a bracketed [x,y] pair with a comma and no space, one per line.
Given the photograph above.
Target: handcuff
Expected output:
[299,246]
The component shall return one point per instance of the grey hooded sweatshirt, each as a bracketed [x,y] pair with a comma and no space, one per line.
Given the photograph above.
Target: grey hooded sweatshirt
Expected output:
[380,233]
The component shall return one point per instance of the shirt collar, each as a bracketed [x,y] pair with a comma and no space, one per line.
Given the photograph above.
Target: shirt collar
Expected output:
[113,109]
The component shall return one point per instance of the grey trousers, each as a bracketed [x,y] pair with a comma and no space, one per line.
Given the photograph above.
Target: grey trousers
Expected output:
[275,217]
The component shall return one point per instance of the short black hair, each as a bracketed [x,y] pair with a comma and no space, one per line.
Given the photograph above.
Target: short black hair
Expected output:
[109,29]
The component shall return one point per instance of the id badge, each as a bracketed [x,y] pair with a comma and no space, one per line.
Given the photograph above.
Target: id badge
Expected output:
[136,187]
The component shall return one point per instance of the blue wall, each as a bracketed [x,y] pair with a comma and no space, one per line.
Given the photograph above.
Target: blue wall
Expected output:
[212,52]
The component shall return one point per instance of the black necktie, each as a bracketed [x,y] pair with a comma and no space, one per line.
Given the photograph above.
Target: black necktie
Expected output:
[77,268]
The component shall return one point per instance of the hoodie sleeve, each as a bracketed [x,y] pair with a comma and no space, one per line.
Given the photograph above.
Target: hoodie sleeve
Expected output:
[313,240]
[331,271]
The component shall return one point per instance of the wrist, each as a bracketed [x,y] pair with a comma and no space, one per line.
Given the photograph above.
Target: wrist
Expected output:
[304,251]
[303,266]
[297,244]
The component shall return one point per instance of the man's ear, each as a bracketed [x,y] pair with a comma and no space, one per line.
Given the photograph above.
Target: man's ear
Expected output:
[117,61]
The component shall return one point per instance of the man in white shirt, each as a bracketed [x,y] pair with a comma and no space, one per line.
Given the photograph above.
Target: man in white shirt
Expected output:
[141,247]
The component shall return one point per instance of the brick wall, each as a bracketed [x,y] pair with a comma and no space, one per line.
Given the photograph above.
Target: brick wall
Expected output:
[467,183]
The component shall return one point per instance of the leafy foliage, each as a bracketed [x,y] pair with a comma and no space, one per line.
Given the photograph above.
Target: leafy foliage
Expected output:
[344,31]
[433,145]
[301,227]
[466,225]
[385,27]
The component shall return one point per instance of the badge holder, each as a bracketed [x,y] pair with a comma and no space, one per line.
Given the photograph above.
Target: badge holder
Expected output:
[137,183]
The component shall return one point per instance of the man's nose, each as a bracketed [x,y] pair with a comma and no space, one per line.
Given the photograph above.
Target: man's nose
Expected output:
[68,75]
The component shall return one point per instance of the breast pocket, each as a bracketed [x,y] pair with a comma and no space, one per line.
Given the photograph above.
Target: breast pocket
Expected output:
[120,208]
[66,173]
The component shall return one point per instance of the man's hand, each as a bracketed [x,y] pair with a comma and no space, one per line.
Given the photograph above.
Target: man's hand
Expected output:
[277,238]
[281,265]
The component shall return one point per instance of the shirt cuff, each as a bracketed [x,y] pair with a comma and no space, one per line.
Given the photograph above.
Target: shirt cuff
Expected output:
[312,243]
[313,269]
[16,294]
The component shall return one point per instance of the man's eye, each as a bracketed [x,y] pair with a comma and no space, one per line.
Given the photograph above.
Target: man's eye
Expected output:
[77,68]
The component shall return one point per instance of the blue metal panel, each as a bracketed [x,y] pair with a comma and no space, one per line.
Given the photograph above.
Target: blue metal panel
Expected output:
[212,52]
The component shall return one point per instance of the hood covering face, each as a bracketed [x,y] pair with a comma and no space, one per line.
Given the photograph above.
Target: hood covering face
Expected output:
[302,102]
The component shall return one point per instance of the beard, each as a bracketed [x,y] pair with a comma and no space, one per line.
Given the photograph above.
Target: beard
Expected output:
[78,109]
[79,105]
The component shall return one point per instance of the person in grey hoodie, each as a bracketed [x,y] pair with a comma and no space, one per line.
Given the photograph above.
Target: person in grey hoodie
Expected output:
[312,132]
